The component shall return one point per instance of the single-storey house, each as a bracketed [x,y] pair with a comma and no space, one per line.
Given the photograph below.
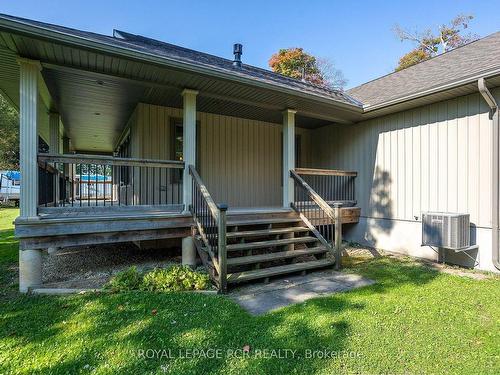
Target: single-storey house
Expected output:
[127,138]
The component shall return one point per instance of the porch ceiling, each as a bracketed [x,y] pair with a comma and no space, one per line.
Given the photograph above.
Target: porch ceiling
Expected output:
[72,73]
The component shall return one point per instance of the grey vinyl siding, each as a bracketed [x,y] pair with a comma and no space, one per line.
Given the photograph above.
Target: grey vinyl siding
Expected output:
[239,159]
[432,158]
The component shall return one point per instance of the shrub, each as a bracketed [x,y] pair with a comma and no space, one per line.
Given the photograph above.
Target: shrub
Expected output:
[130,279]
[175,278]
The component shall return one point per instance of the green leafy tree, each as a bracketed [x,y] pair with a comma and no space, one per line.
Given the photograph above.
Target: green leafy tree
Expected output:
[431,43]
[9,140]
[298,64]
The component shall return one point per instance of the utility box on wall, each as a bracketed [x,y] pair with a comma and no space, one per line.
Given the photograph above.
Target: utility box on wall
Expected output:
[446,230]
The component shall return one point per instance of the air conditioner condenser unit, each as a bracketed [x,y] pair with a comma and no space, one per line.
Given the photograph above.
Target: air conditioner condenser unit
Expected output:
[446,230]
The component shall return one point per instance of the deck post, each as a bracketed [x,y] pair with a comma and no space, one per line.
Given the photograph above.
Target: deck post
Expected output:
[188,252]
[288,155]
[221,248]
[30,261]
[338,235]
[189,143]
[30,269]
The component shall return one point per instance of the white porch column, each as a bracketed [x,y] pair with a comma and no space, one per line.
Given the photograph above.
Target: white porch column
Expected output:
[28,134]
[189,142]
[288,155]
[30,261]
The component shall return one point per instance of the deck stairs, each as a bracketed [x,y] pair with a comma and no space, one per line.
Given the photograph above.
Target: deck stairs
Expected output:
[266,244]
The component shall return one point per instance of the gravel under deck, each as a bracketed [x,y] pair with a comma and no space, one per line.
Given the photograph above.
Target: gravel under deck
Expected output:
[92,266]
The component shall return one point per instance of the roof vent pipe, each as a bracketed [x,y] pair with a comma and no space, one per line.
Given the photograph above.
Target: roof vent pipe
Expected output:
[238,51]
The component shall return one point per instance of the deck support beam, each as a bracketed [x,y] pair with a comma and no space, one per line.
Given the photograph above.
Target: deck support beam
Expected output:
[189,143]
[288,155]
[30,261]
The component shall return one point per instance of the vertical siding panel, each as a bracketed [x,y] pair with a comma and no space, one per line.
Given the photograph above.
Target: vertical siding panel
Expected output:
[474,146]
[434,159]
[442,157]
[408,166]
[462,156]
[485,166]
[393,170]
[390,190]
[425,161]
[416,163]
[378,168]
[452,157]
[401,158]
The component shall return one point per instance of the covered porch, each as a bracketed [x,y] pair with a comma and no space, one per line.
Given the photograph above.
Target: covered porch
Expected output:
[134,153]
[111,144]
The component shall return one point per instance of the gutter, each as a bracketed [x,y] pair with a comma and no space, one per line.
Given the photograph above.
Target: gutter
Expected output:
[490,100]
[38,32]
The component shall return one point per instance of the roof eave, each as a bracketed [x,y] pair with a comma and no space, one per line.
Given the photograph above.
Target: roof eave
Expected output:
[59,36]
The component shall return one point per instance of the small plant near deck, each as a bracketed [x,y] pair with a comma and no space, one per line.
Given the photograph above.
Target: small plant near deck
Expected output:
[174,279]
[130,279]
[171,279]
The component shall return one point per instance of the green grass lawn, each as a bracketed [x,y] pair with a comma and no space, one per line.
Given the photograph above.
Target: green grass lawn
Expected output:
[414,320]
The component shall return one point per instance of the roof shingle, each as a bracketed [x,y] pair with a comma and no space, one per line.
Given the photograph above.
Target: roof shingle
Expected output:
[466,61]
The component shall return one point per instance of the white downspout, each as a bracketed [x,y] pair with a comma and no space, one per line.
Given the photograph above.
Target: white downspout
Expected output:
[481,83]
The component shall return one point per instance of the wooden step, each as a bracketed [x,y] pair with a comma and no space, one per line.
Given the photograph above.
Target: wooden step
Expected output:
[238,261]
[239,277]
[266,232]
[240,222]
[271,243]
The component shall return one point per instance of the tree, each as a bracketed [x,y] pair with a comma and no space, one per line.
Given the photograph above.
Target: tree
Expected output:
[9,141]
[430,44]
[298,64]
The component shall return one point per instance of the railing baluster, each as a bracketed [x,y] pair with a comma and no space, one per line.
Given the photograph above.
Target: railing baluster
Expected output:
[104,174]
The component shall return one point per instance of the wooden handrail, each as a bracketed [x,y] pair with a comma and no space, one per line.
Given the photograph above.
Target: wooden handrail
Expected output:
[214,210]
[334,214]
[325,172]
[313,195]
[218,213]
[109,160]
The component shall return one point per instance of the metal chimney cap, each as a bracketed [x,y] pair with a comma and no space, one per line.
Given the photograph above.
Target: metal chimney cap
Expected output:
[238,51]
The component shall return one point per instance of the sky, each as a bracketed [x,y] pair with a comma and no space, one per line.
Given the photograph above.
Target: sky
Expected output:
[357,36]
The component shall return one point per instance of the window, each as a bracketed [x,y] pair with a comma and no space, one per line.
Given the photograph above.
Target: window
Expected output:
[177,144]
[178,140]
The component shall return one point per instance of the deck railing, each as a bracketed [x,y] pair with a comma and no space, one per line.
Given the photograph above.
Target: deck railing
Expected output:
[323,220]
[97,180]
[334,186]
[210,220]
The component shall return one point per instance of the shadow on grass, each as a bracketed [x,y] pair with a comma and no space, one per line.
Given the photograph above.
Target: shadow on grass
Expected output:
[114,332]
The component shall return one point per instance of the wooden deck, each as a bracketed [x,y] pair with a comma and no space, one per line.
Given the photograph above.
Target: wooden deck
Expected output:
[77,226]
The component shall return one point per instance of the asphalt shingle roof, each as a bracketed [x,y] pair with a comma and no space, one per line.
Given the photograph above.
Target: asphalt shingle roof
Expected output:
[467,61]
[181,54]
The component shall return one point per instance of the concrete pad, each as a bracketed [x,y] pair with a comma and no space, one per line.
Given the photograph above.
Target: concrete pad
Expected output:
[259,299]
